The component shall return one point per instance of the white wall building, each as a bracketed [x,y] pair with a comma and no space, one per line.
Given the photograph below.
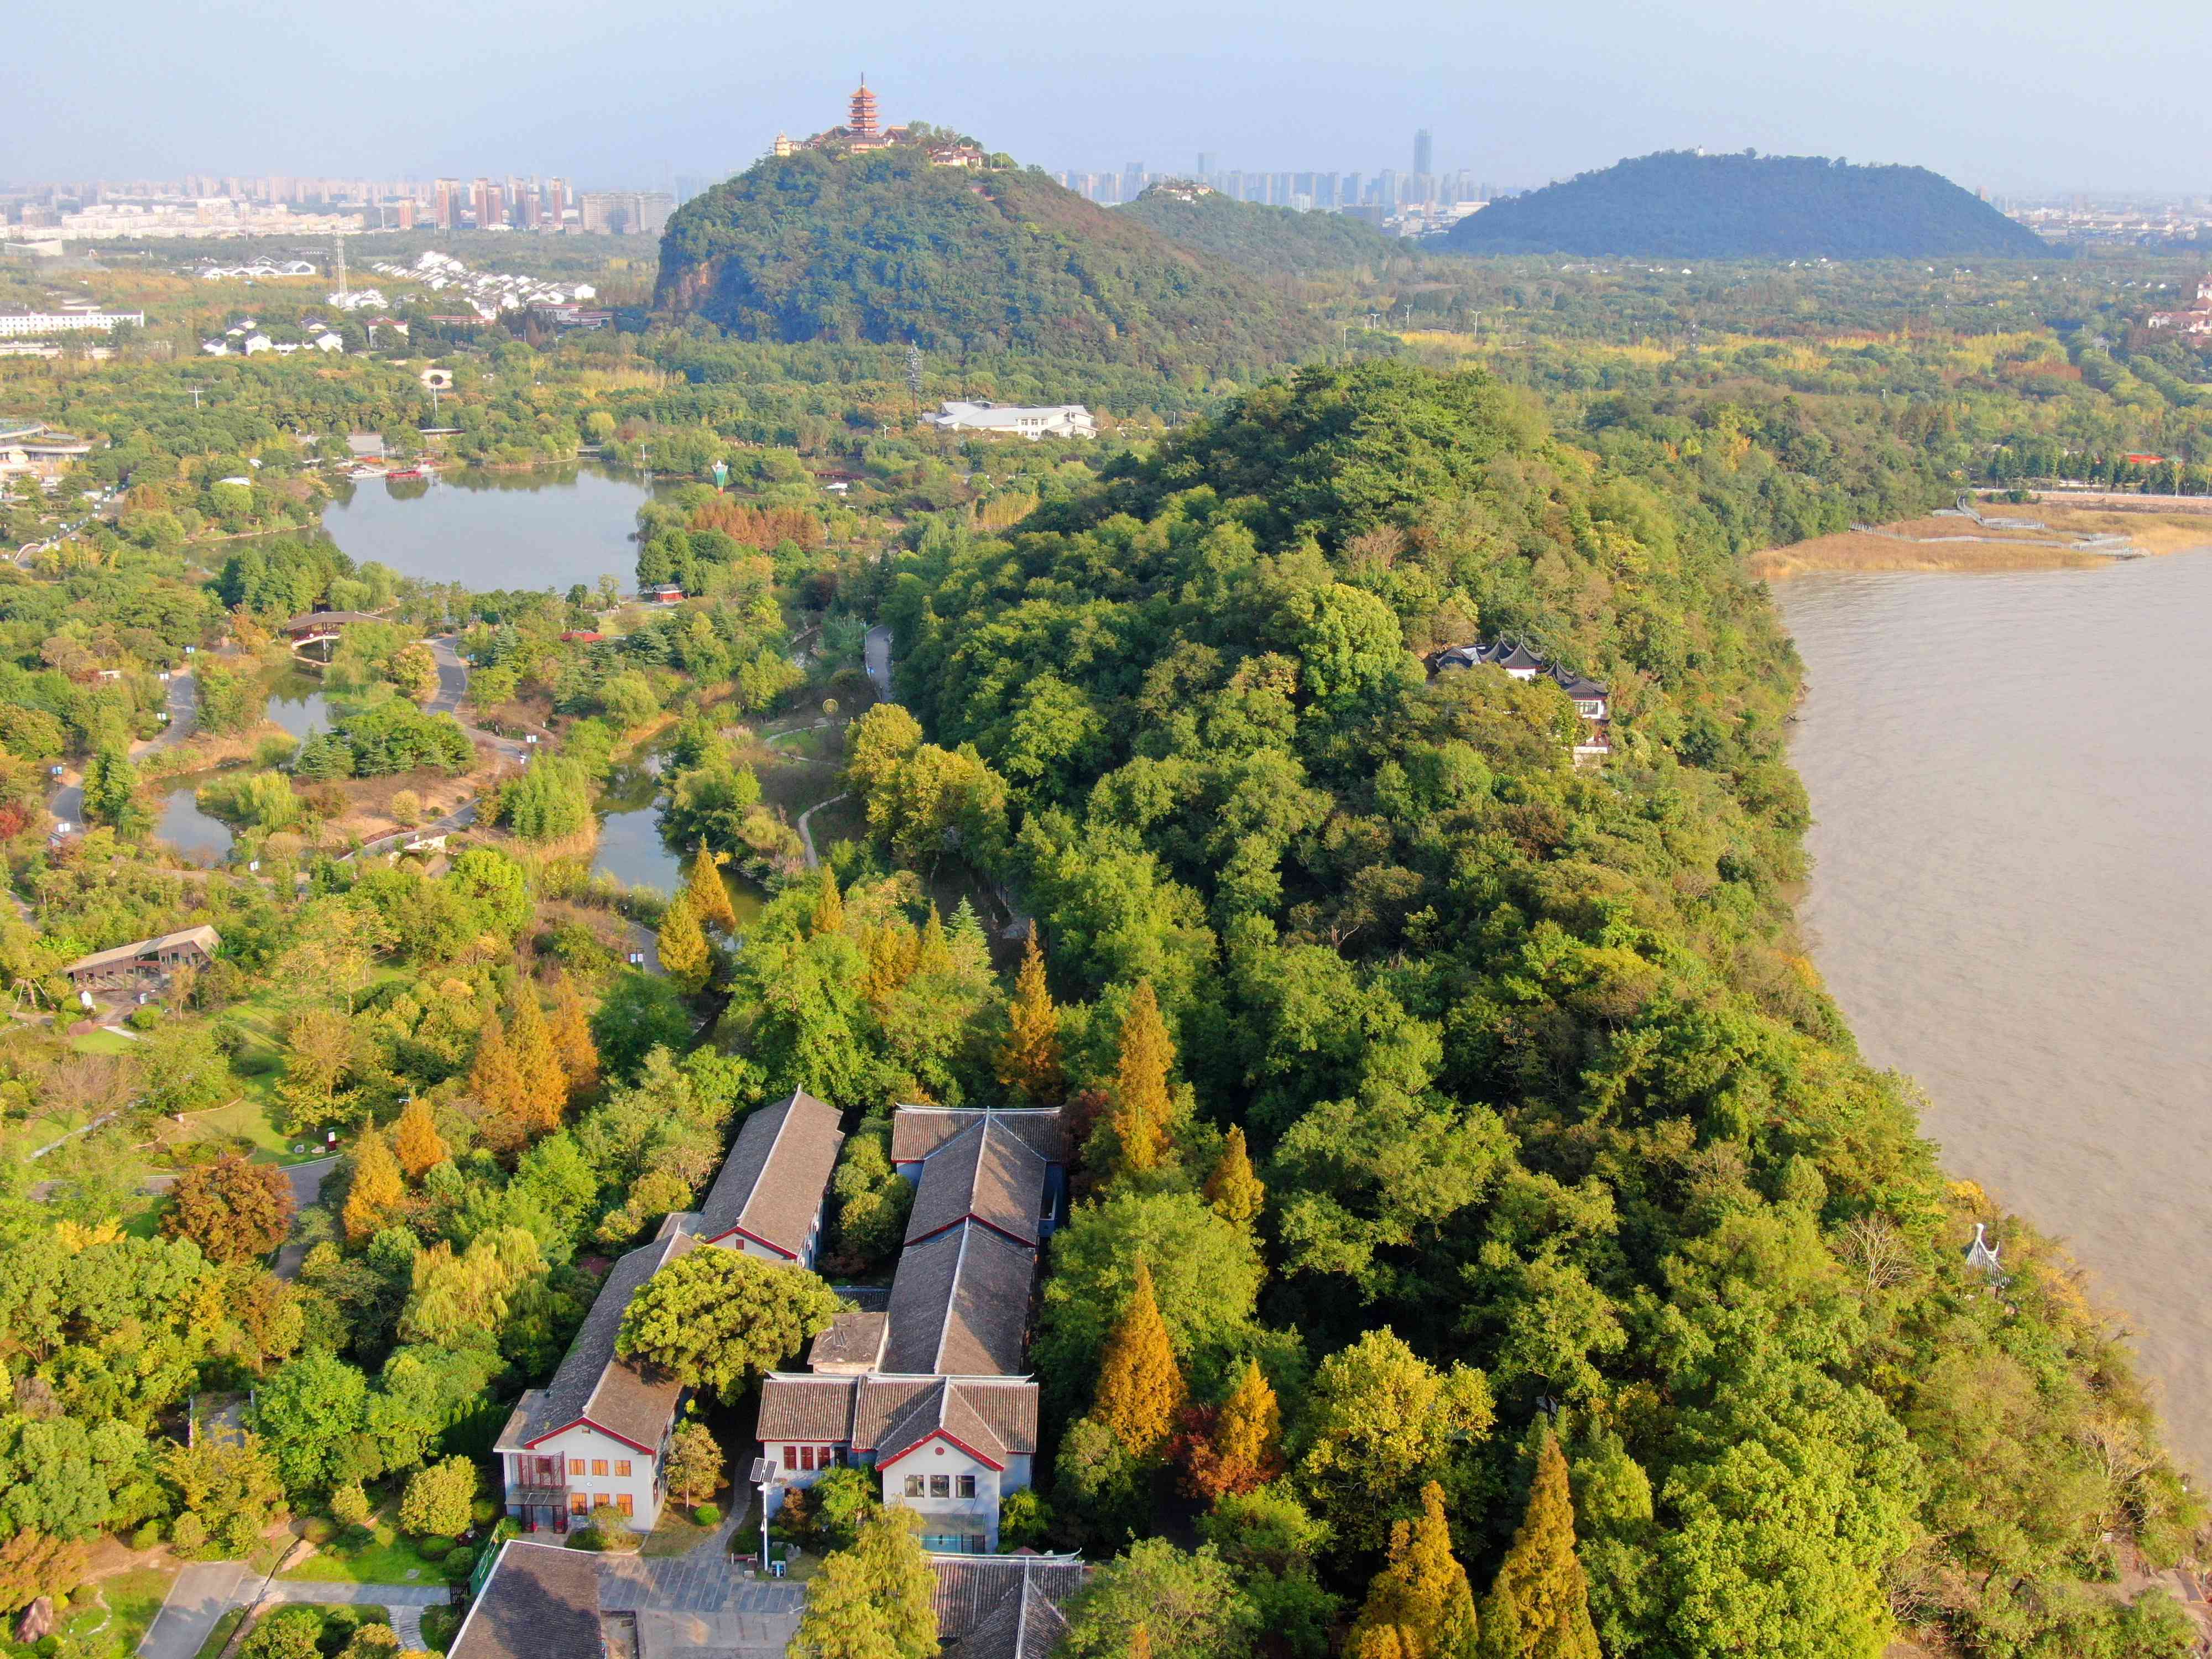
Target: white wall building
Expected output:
[991,420]
[18,325]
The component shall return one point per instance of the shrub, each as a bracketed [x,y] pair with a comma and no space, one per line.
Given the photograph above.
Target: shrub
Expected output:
[439,1625]
[708,1515]
[349,1505]
[483,1511]
[187,1533]
[611,1527]
[460,1563]
[147,1536]
[434,1548]
[144,1018]
[437,1499]
[318,1530]
[407,807]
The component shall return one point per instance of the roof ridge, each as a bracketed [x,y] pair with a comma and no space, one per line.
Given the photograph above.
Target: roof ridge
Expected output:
[959,1261]
[789,1106]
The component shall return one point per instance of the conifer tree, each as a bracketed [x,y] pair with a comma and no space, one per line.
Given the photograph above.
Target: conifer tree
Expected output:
[1029,1060]
[1141,1102]
[1420,1605]
[829,905]
[1540,1596]
[935,956]
[1140,1387]
[496,1077]
[1140,1642]
[420,1146]
[685,956]
[1233,1189]
[1244,1449]
[544,1085]
[377,1192]
[710,897]
[572,1038]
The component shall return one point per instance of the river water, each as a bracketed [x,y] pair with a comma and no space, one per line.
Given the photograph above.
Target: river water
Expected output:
[2013,783]
[550,528]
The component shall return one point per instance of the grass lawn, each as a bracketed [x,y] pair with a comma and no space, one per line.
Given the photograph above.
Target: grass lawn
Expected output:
[248,1120]
[678,1533]
[109,1617]
[369,1563]
[102,1042]
[219,1638]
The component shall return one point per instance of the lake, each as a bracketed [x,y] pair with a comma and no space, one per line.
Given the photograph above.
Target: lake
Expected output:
[296,703]
[200,837]
[631,848]
[2013,787]
[553,527]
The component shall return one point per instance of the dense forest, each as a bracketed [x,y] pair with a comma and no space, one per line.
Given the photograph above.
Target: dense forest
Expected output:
[1267,241]
[1680,205]
[883,247]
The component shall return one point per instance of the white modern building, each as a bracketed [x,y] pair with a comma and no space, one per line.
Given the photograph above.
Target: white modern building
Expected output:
[990,420]
[23,324]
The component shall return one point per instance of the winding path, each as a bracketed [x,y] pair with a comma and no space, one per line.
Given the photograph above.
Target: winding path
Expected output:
[806,833]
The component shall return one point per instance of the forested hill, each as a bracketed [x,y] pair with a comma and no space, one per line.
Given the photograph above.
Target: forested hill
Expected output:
[1558,1133]
[1267,241]
[883,247]
[1677,204]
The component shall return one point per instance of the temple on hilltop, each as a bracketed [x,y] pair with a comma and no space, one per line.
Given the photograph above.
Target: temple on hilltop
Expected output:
[864,130]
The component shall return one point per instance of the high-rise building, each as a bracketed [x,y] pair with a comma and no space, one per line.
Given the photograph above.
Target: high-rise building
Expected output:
[556,201]
[1423,153]
[1205,166]
[1132,181]
[448,203]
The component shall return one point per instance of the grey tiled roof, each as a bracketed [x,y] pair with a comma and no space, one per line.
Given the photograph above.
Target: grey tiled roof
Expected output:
[539,1602]
[1027,1624]
[972,1590]
[943,1405]
[772,1183]
[960,1303]
[986,1171]
[591,1384]
[918,1131]
[866,1412]
[855,1339]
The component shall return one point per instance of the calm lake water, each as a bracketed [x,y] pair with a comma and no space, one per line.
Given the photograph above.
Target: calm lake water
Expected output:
[296,703]
[2013,782]
[550,528]
[203,839]
[630,844]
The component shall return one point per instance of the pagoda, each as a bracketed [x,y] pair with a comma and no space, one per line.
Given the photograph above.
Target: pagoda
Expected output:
[861,124]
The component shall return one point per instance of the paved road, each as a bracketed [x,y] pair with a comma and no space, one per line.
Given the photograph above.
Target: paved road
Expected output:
[306,1180]
[806,834]
[203,1591]
[453,687]
[184,707]
[878,655]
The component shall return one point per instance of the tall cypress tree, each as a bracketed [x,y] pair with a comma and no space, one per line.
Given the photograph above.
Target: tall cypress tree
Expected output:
[572,1038]
[1141,1102]
[1420,1605]
[1539,1602]
[1244,1451]
[377,1191]
[1028,1062]
[829,905]
[496,1079]
[544,1084]
[1232,1188]
[684,954]
[420,1145]
[710,897]
[1140,1387]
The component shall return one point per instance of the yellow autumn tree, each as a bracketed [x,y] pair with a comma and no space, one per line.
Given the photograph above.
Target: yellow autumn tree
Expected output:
[685,956]
[1420,1605]
[420,1146]
[1140,1387]
[1243,1450]
[1232,1188]
[1029,1061]
[544,1084]
[572,1038]
[829,905]
[710,896]
[377,1193]
[1538,1604]
[1142,1104]
[496,1079]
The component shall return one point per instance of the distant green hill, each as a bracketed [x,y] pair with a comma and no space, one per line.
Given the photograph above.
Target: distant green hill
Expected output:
[883,247]
[1267,241]
[1680,205]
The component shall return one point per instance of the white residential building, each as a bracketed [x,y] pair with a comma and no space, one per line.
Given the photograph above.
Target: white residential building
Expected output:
[21,324]
[991,420]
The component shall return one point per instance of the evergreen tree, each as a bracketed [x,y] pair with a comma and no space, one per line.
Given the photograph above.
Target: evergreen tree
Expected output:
[110,786]
[1140,1387]
[1540,1596]
[1243,1450]
[1232,1188]
[377,1191]
[1419,1605]
[710,897]
[496,1079]
[572,1038]
[544,1084]
[1140,1643]
[685,956]
[420,1146]
[1029,1062]
[1141,1102]
[696,1467]
[874,1600]
[829,905]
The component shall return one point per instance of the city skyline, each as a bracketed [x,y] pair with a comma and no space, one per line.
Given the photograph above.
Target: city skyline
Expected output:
[1520,97]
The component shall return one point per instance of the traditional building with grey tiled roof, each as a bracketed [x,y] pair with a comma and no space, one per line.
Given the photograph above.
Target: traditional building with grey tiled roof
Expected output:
[960,1303]
[768,1198]
[1004,1607]
[539,1601]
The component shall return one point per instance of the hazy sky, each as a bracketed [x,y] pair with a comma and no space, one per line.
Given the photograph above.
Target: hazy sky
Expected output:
[2013,95]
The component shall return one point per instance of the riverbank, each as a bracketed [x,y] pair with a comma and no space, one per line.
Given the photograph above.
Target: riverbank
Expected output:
[2047,536]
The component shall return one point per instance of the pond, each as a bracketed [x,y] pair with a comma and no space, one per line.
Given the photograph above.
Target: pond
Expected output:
[296,703]
[202,839]
[631,848]
[552,527]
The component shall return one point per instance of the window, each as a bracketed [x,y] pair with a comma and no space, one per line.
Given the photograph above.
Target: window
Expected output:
[575,1466]
[579,1504]
[622,1503]
[622,1466]
[598,1466]
[600,1500]
[967,1486]
[914,1485]
[791,1457]
[806,1458]
[940,1486]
